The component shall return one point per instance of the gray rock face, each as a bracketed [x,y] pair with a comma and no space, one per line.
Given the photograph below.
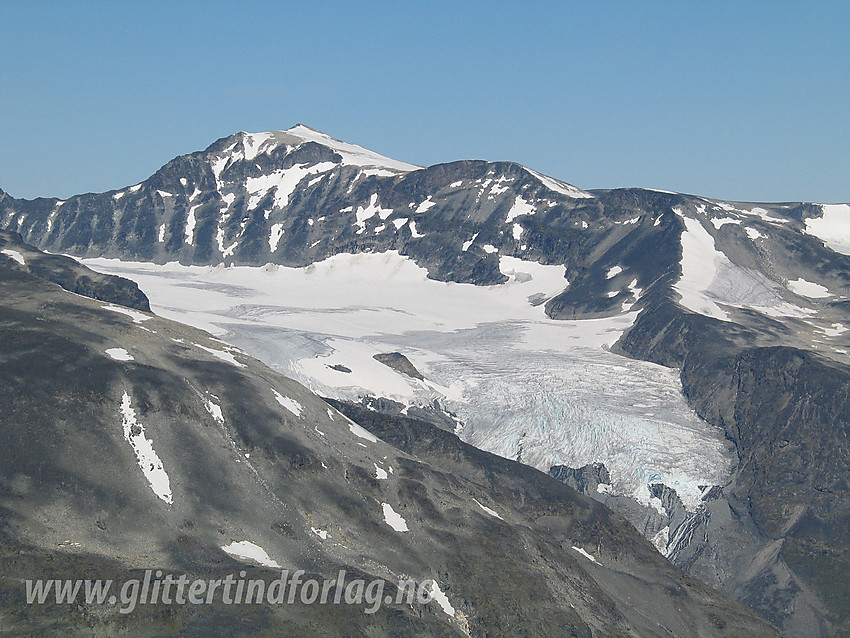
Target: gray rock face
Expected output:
[399,362]
[69,274]
[583,479]
[745,299]
[786,506]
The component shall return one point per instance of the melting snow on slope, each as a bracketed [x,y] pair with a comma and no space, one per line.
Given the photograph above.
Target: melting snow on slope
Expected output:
[441,599]
[809,289]
[321,533]
[699,267]
[214,409]
[284,182]
[224,356]
[584,553]
[490,511]
[352,154]
[290,404]
[560,187]
[520,207]
[137,316]
[833,227]
[367,212]
[14,254]
[119,354]
[147,458]
[250,551]
[393,518]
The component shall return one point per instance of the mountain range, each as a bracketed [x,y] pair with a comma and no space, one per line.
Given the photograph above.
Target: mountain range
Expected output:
[702,394]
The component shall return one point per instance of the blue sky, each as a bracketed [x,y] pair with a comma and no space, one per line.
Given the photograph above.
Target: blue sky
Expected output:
[739,100]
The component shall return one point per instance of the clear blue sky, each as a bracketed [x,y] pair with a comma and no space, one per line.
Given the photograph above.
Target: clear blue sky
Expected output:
[739,100]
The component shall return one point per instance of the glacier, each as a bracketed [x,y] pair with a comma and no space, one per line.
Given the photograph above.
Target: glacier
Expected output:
[523,386]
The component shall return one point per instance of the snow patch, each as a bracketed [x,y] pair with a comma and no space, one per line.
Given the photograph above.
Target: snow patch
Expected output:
[520,207]
[119,354]
[214,409]
[700,260]
[413,231]
[14,254]
[253,142]
[833,227]
[137,316]
[491,512]
[719,222]
[809,289]
[147,458]
[394,519]
[836,330]
[441,599]
[425,206]
[274,236]
[367,212]
[559,186]
[590,557]
[352,154]
[290,404]
[250,551]
[224,356]
[359,431]
[661,539]
[284,182]
[191,222]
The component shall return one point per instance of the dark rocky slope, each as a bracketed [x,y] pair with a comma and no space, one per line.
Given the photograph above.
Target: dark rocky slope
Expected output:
[70,274]
[786,410]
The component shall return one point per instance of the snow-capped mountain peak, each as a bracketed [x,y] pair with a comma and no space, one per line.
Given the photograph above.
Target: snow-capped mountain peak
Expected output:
[352,154]
[249,146]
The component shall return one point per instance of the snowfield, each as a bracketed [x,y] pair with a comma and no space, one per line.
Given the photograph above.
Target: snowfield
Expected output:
[524,386]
